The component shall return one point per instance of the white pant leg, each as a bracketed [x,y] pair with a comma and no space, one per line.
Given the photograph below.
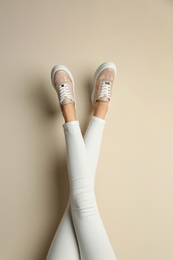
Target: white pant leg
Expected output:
[64,245]
[65,236]
[92,238]
[93,139]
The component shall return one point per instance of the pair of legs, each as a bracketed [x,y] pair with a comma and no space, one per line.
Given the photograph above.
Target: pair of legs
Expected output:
[81,234]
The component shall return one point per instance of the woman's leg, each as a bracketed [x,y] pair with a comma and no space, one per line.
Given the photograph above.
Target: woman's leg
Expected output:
[65,236]
[91,234]
[93,139]
[64,245]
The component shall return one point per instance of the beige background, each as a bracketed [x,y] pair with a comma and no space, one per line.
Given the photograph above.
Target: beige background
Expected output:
[134,182]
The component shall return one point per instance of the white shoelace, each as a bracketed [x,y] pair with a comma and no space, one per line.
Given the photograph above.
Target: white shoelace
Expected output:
[64,91]
[105,89]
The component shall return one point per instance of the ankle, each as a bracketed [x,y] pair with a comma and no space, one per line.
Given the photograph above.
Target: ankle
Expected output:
[69,112]
[100,109]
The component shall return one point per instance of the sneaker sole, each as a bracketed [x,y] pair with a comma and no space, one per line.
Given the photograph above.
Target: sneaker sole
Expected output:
[62,67]
[103,66]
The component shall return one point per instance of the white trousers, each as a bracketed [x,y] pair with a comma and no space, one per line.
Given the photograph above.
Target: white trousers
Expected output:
[81,234]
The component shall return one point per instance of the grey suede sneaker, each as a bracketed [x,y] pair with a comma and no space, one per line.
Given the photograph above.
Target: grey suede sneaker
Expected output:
[63,82]
[104,78]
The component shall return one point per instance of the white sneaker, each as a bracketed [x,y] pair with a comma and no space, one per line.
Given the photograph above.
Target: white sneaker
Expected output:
[104,78]
[63,82]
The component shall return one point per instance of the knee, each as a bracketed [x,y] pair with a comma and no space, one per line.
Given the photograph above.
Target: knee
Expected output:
[82,197]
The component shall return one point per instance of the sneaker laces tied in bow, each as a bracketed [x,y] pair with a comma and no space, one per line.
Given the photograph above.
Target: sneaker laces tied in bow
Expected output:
[105,90]
[64,91]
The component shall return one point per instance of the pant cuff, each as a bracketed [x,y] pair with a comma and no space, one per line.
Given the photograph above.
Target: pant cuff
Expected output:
[98,119]
[71,126]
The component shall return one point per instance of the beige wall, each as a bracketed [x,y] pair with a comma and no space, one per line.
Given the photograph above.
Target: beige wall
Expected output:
[134,182]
